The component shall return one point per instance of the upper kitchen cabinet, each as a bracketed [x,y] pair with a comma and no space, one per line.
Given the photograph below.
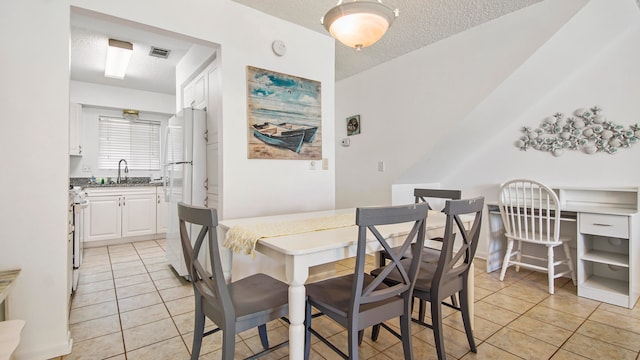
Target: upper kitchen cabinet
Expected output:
[75,129]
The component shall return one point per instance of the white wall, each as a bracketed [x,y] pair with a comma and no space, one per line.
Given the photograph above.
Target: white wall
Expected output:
[35,98]
[34,139]
[121,98]
[410,105]
[585,55]
[90,116]
[110,101]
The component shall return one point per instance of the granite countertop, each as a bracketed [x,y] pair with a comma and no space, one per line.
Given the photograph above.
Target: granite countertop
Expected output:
[131,182]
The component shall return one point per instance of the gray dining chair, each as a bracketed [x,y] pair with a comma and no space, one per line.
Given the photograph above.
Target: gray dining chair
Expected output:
[430,196]
[423,196]
[358,300]
[449,275]
[235,307]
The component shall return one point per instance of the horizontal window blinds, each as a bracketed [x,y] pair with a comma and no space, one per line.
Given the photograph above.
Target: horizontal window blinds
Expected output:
[138,142]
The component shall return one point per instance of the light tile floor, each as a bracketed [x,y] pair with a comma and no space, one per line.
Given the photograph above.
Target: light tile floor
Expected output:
[130,305]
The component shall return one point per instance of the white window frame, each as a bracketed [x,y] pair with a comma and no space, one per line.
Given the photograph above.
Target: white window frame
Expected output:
[138,142]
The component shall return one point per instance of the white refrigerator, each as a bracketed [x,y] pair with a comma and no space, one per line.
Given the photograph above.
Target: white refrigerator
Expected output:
[185,176]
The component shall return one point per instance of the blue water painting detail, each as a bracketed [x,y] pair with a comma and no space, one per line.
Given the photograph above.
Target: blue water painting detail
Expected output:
[283,115]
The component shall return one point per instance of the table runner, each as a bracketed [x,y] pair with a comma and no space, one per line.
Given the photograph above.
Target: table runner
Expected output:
[243,239]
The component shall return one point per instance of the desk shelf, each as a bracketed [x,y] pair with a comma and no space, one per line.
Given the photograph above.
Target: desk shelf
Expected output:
[607,290]
[606,257]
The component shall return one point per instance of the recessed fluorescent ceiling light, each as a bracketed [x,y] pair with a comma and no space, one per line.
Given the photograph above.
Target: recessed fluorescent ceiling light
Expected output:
[118,56]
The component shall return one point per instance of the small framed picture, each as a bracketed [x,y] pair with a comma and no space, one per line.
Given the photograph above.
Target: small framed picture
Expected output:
[353,125]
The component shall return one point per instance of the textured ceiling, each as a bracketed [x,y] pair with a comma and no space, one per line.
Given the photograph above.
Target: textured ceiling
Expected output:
[89,37]
[421,22]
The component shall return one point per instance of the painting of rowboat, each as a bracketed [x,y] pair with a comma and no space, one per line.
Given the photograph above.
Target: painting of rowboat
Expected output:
[283,115]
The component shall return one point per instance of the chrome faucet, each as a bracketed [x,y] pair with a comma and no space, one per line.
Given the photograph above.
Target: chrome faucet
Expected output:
[126,171]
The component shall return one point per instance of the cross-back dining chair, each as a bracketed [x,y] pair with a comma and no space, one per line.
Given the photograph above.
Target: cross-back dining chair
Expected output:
[357,301]
[450,274]
[423,196]
[235,307]
[530,214]
[430,196]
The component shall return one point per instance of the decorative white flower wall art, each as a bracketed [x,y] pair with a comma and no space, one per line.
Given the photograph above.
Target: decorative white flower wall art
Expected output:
[587,130]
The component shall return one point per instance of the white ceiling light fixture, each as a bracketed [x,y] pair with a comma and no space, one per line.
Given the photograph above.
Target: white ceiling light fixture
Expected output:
[359,23]
[118,56]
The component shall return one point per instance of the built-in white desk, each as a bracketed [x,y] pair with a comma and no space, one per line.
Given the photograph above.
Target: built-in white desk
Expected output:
[605,224]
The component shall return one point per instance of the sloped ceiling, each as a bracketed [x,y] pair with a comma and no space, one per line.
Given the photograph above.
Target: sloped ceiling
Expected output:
[421,22]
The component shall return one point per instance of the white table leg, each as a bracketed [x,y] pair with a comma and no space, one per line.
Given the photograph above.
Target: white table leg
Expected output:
[297,274]
[226,256]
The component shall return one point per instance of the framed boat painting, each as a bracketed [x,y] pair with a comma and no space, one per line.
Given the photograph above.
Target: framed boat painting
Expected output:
[283,116]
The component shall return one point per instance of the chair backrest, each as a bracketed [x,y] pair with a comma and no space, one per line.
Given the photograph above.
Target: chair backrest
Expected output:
[368,221]
[209,285]
[459,244]
[530,210]
[421,195]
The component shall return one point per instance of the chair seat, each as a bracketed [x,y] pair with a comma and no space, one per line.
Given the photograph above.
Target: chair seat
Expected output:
[334,295]
[258,293]
[425,275]
[530,239]
[428,254]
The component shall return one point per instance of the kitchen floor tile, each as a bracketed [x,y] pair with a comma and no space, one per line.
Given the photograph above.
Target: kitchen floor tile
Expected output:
[143,316]
[139,301]
[94,328]
[596,349]
[148,334]
[101,347]
[519,343]
[90,312]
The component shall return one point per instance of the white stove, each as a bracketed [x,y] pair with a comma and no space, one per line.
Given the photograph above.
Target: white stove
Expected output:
[77,202]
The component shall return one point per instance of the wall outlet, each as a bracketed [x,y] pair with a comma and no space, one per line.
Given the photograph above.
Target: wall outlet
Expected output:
[86,168]
[381,166]
[325,164]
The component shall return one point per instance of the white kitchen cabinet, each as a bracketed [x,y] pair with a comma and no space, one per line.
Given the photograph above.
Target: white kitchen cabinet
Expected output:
[75,129]
[103,218]
[116,213]
[138,214]
[161,212]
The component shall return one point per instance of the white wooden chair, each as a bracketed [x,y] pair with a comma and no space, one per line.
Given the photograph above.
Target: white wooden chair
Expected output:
[531,213]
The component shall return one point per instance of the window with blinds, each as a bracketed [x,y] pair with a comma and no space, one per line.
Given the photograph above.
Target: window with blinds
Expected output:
[138,142]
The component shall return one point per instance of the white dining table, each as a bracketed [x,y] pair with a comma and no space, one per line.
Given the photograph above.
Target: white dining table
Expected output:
[302,251]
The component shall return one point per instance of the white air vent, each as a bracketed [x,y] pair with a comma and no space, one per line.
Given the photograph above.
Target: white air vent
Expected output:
[158,52]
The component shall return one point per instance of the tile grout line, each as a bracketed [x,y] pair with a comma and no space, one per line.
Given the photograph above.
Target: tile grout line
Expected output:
[115,291]
[163,301]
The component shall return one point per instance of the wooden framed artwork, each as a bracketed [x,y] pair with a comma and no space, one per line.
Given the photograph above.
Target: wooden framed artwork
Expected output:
[353,125]
[283,115]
